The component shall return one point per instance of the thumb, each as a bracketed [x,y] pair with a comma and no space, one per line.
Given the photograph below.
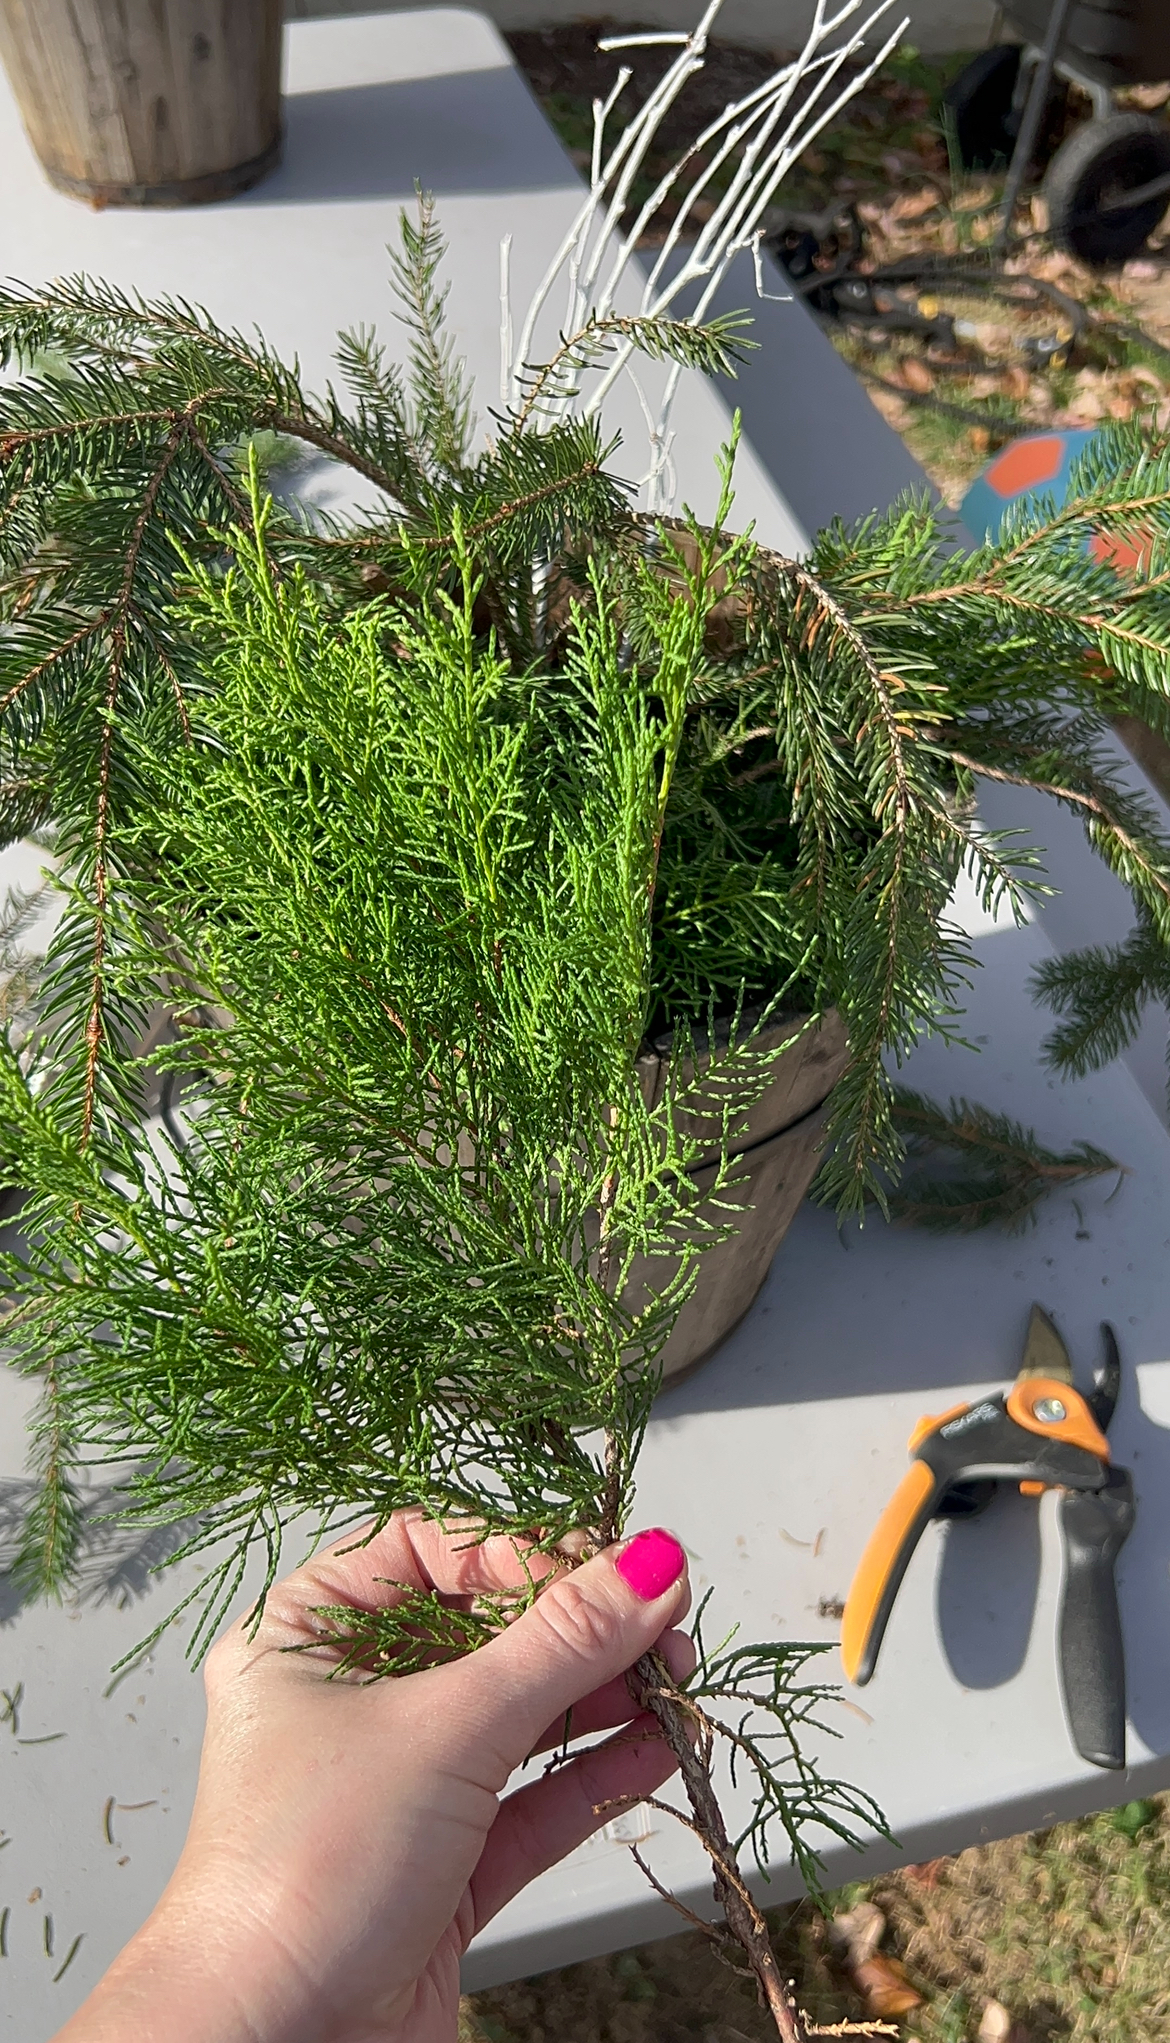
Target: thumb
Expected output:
[586,1628]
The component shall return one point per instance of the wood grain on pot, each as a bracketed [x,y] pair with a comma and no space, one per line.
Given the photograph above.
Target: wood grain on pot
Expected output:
[147,102]
[777,1147]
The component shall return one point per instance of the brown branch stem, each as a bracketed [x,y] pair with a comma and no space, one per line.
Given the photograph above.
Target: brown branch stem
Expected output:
[1093,803]
[307,429]
[653,1689]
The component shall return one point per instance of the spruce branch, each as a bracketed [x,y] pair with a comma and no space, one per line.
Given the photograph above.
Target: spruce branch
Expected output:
[1151,873]
[20,968]
[713,348]
[999,1170]
[442,393]
[1102,993]
[119,623]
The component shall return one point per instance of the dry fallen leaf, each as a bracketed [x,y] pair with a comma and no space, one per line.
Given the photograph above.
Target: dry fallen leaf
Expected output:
[997,2026]
[859,1933]
[1148,98]
[916,375]
[912,205]
[881,1982]
[1056,268]
[980,439]
[891,408]
[1016,382]
[992,337]
[884,1987]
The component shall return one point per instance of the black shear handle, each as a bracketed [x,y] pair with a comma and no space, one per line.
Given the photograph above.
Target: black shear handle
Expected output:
[1095,1525]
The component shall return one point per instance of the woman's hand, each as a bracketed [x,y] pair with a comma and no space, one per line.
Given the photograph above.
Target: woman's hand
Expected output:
[348,1838]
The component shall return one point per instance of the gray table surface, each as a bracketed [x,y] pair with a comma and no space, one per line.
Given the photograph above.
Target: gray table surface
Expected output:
[775,1459]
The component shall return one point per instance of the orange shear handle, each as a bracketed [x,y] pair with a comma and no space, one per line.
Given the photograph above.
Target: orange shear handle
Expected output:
[881,1568]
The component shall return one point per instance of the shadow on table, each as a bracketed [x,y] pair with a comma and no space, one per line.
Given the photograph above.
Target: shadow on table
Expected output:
[988,1576]
[117,1563]
[843,1317]
[469,132]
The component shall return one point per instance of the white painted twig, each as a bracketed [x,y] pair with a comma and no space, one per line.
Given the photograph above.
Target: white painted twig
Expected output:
[505,317]
[748,148]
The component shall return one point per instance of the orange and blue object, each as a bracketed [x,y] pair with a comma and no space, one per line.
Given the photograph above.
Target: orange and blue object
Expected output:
[1040,465]
[1036,467]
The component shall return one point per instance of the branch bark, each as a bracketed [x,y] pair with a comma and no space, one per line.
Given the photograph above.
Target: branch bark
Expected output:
[652,1688]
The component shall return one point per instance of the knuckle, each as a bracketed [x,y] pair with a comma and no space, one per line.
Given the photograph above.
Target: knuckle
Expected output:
[218,1665]
[589,1628]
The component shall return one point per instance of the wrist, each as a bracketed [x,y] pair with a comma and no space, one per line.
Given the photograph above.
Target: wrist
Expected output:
[183,1978]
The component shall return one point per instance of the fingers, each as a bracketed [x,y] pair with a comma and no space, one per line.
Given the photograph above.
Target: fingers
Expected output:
[581,1634]
[410,1551]
[540,1823]
[612,1704]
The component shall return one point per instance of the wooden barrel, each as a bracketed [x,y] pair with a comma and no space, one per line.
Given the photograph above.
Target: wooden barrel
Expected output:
[776,1151]
[147,102]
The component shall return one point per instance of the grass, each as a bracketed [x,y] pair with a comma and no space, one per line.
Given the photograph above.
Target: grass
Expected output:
[1069,1929]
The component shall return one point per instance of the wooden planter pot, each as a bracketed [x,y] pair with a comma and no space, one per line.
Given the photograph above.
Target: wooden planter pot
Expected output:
[777,1157]
[147,102]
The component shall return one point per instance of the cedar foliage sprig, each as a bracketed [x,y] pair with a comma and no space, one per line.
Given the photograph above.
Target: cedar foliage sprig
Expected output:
[774,1709]
[379,1226]
[391,1261]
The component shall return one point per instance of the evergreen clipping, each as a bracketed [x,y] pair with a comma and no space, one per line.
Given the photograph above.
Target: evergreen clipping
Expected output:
[993,1169]
[394,837]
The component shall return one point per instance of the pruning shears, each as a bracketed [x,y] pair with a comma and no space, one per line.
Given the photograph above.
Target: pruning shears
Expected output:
[1042,1434]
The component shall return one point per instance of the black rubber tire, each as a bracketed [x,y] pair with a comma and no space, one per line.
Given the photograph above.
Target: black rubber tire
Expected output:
[1098,161]
[977,106]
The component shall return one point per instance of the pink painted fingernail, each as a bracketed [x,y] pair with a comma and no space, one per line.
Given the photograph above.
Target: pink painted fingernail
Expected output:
[651,1563]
